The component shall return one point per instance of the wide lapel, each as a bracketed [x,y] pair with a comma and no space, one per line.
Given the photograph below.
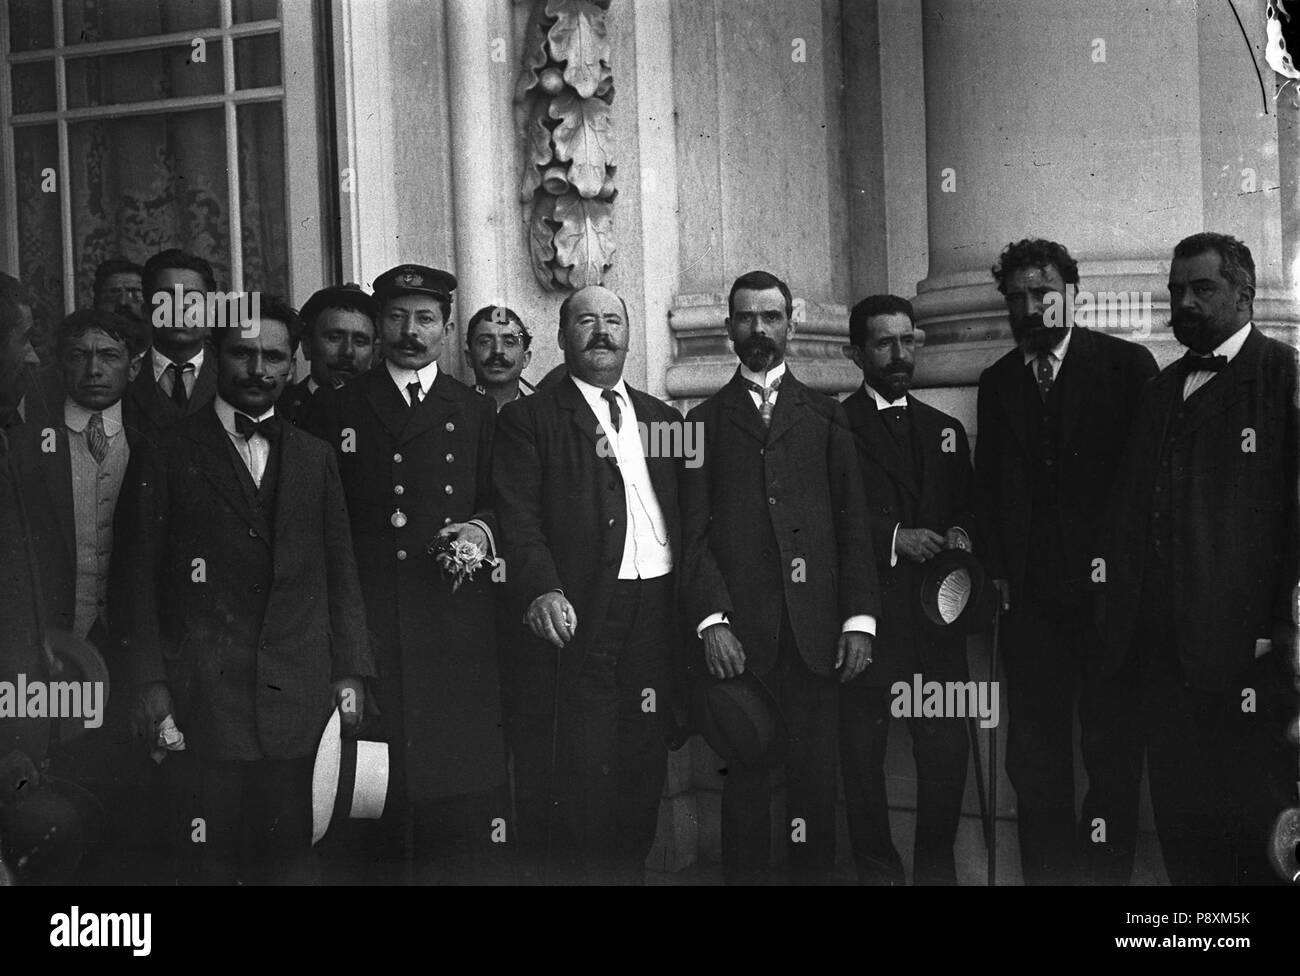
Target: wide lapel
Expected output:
[1080,360]
[292,474]
[205,383]
[571,399]
[789,409]
[438,405]
[1236,380]
[56,472]
[740,408]
[217,465]
[660,468]
[1010,389]
[864,419]
[385,399]
[928,428]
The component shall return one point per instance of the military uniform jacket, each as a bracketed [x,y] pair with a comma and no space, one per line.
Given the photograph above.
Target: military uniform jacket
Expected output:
[408,472]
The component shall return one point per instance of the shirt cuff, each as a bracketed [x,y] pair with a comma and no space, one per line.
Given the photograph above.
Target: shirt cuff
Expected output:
[709,621]
[863,623]
[492,542]
[893,546]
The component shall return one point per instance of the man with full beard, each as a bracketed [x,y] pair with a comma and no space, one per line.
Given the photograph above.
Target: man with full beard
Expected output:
[1052,417]
[779,577]
[1203,572]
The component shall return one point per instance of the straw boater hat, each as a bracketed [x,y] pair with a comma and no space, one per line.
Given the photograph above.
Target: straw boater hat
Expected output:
[349,780]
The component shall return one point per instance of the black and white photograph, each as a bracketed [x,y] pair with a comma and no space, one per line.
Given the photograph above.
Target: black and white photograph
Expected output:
[616,443]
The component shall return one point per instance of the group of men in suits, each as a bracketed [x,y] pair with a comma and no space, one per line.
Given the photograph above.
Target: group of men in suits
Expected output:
[251,555]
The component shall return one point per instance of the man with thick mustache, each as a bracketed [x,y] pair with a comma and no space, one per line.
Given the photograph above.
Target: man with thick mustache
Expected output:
[1204,566]
[338,325]
[497,343]
[917,475]
[415,451]
[1052,417]
[779,576]
[243,612]
[591,531]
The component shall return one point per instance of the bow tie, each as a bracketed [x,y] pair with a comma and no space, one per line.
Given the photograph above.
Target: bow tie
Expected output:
[246,426]
[1192,363]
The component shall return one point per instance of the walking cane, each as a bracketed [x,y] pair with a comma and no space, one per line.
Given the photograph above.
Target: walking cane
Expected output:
[550,779]
[993,753]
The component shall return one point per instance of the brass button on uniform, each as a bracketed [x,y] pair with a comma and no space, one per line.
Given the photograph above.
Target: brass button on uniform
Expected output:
[401,553]
[399,489]
[447,520]
[611,523]
[252,533]
[398,518]
[450,458]
[397,459]
[450,426]
[449,489]
[771,500]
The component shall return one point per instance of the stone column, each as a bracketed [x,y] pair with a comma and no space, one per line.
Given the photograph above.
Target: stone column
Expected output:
[1113,128]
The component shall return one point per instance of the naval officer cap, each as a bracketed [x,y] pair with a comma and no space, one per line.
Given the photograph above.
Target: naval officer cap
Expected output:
[414,279]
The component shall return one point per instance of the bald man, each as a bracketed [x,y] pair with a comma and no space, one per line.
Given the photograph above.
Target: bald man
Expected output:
[591,535]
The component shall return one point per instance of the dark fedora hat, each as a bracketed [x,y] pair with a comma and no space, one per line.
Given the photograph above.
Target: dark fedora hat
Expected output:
[956,596]
[739,718]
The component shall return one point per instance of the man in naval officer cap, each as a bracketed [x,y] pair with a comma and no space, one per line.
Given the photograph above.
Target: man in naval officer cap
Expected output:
[414,446]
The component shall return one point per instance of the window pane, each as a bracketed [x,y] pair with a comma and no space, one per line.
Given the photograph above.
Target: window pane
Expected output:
[108,20]
[262,197]
[40,248]
[141,184]
[246,11]
[31,25]
[33,87]
[257,61]
[140,76]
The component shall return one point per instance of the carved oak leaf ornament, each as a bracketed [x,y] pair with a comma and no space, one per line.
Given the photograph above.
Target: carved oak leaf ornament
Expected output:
[541,238]
[537,149]
[534,47]
[584,243]
[578,39]
[583,139]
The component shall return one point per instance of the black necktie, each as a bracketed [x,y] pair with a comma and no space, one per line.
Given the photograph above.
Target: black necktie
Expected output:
[1192,363]
[246,426]
[413,392]
[766,396]
[615,414]
[179,396]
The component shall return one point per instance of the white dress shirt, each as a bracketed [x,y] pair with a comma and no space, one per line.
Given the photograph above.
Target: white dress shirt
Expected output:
[1056,354]
[188,376]
[1228,348]
[255,451]
[425,376]
[646,551]
[864,623]
[763,380]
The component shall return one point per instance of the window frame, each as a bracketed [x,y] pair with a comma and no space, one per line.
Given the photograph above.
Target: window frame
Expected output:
[305,132]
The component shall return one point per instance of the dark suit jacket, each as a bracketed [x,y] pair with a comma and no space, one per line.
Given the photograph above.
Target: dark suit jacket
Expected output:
[290,403]
[147,411]
[1236,548]
[21,630]
[564,521]
[47,487]
[251,638]
[937,497]
[763,499]
[436,650]
[1105,378]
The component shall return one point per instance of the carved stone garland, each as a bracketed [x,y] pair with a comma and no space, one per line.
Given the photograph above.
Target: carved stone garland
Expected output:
[563,99]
